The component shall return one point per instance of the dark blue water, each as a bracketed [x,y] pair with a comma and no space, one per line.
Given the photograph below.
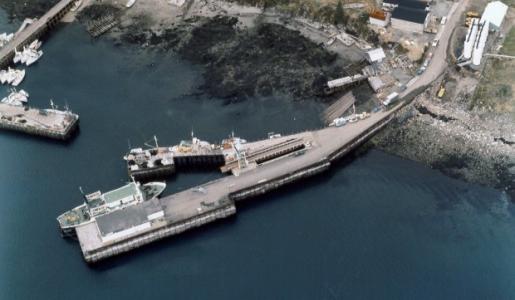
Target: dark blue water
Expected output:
[375,227]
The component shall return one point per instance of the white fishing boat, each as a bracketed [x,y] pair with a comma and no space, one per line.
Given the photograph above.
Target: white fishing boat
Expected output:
[130,3]
[12,76]
[19,75]
[17,98]
[3,76]
[24,55]
[32,56]
[5,39]
[17,56]
[76,5]
[35,45]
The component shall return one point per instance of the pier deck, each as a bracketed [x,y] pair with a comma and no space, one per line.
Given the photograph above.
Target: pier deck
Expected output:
[216,199]
[44,122]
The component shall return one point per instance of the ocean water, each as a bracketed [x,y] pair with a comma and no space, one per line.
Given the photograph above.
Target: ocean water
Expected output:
[374,227]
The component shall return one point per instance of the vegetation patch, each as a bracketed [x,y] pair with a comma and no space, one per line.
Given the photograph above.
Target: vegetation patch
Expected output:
[508,46]
[495,90]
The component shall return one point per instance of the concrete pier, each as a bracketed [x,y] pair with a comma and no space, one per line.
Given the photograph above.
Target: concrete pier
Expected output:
[34,31]
[50,123]
[117,233]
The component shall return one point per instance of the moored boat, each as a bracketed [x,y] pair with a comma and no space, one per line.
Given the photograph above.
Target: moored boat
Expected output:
[98,204]
[130,3]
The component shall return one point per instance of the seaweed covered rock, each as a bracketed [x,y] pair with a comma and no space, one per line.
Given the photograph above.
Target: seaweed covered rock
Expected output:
[20,10]
[240,63]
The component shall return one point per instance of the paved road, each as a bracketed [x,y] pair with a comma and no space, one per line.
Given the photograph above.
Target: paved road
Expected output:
[439,62]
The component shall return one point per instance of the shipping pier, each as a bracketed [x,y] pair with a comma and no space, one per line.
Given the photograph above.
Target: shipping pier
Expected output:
[277,161]
[50,123]
[34,31]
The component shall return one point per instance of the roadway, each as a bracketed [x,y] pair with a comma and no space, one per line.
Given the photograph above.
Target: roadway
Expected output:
[438,63]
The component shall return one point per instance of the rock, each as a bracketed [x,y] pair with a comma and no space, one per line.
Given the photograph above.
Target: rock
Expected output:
[240,63]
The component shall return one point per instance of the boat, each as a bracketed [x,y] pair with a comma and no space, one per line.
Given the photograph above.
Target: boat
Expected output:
[33,56]
[130,3]
[19,75]
[17,98]
[3,76]
[98,204]
[76,5]
[12,76]
[150,163]
[24,55]
[5,38]
[17,56]
[35,45]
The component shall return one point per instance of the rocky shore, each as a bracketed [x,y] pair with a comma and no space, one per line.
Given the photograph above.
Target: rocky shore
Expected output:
[461,144]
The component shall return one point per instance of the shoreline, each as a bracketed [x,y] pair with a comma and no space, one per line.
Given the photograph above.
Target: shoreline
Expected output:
[459,142]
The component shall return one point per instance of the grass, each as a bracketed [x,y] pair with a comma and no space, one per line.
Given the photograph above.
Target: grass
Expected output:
[508,46]
[497,88]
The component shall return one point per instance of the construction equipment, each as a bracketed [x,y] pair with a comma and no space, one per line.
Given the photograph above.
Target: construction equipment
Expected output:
[441,92]
[472,14]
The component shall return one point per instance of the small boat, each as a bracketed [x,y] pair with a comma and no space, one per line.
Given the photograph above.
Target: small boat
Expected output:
[35,45]
[33,56]
[10,76]
[17,56]
[130,3]
[19,75]
[76,5]
[16,98]
[3,76]
[23,55]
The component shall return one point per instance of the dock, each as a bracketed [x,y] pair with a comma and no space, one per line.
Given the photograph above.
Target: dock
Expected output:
[275,162]
[34,31]
[339,107]
[49,123]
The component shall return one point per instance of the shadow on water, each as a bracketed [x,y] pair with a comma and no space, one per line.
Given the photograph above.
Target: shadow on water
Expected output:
[42,139]
[167,244]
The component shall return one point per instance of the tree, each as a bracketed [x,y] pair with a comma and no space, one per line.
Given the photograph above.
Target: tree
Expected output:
[339,14]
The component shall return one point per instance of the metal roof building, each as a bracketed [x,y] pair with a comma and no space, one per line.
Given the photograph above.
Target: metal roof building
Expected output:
[416,4]
[375,55]
[494,13]
[408,15]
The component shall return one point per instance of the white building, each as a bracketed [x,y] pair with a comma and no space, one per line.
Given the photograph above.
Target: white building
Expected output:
[378,18]
[494,13]
[375,55]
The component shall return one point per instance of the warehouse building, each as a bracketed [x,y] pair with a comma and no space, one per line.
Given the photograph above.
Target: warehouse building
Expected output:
[408,15]
[494,13]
